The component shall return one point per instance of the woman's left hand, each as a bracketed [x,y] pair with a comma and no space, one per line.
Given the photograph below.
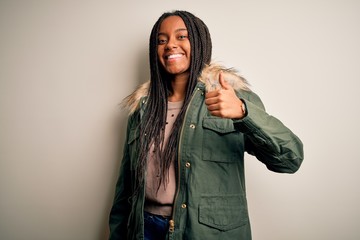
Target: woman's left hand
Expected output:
[224,102]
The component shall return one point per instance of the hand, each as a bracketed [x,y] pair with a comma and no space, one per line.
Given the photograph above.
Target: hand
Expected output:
[224,102]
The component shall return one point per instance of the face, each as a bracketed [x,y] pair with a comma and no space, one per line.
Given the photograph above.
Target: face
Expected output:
[174,46]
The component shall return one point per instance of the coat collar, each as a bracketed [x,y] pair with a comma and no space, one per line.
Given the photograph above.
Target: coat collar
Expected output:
[209,77]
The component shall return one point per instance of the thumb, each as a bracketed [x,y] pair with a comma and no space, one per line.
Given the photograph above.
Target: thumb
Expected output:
[224,84]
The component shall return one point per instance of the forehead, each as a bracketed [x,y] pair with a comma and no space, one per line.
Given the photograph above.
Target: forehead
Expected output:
[172,23]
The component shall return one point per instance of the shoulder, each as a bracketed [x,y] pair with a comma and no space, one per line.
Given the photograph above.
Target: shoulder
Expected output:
[135,99]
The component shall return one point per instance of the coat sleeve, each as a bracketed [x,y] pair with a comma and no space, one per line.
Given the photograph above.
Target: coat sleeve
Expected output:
[120,210]
[268,138]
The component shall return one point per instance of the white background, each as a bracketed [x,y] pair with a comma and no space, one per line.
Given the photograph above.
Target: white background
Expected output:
[65,65]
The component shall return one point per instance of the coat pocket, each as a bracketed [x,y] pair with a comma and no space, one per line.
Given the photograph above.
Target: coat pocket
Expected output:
[223,212]
[221,141]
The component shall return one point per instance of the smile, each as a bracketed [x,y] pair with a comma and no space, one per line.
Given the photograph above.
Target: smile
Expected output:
[173,56]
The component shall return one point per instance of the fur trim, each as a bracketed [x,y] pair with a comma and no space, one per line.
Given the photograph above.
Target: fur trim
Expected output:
[209,76]
[131,102]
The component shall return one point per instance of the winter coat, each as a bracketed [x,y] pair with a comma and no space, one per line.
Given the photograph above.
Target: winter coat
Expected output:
[210,201]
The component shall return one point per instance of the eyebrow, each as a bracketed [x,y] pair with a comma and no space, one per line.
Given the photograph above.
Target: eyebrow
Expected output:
[177,30]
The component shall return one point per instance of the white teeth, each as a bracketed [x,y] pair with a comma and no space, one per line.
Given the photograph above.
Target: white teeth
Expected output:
[174,56]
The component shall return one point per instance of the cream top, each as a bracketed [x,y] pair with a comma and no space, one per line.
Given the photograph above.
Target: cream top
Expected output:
[160,201]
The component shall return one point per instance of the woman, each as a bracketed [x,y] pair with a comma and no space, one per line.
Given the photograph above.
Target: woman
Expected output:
[182,172]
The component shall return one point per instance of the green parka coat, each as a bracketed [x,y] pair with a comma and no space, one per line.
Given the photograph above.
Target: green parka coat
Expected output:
[210,201]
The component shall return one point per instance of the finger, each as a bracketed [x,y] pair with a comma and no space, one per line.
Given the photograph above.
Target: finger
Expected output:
[224,84]
[209,101]
[213,107]
[216,113]
[212,94]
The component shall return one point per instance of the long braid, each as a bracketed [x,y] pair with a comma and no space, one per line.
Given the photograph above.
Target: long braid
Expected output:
[153,121]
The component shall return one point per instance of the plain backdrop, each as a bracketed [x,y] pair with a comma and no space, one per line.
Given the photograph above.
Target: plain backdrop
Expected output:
[66,65]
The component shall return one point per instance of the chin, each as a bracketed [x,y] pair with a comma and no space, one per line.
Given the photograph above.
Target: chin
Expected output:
[176,70]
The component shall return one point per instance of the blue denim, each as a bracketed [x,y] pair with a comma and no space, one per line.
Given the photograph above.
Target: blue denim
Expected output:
[155,226]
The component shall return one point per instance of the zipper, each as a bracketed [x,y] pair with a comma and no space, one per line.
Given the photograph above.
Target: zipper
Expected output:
[172,221]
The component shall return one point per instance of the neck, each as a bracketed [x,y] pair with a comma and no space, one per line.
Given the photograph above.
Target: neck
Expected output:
[179,84]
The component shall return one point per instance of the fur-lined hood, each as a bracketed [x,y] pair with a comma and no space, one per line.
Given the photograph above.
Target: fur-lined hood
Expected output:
[209,76]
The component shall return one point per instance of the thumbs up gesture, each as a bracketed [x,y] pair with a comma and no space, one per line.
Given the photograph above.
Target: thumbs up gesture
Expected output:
[224,102]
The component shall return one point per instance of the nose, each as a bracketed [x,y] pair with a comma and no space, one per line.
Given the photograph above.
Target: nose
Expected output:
[171,43]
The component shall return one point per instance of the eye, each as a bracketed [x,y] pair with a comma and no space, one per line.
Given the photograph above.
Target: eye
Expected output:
[181,37]
[162,41]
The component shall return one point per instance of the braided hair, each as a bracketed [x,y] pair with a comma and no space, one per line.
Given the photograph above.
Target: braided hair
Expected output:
[154,118]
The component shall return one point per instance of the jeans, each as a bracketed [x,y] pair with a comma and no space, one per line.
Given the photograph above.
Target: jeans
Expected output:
[155,226]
